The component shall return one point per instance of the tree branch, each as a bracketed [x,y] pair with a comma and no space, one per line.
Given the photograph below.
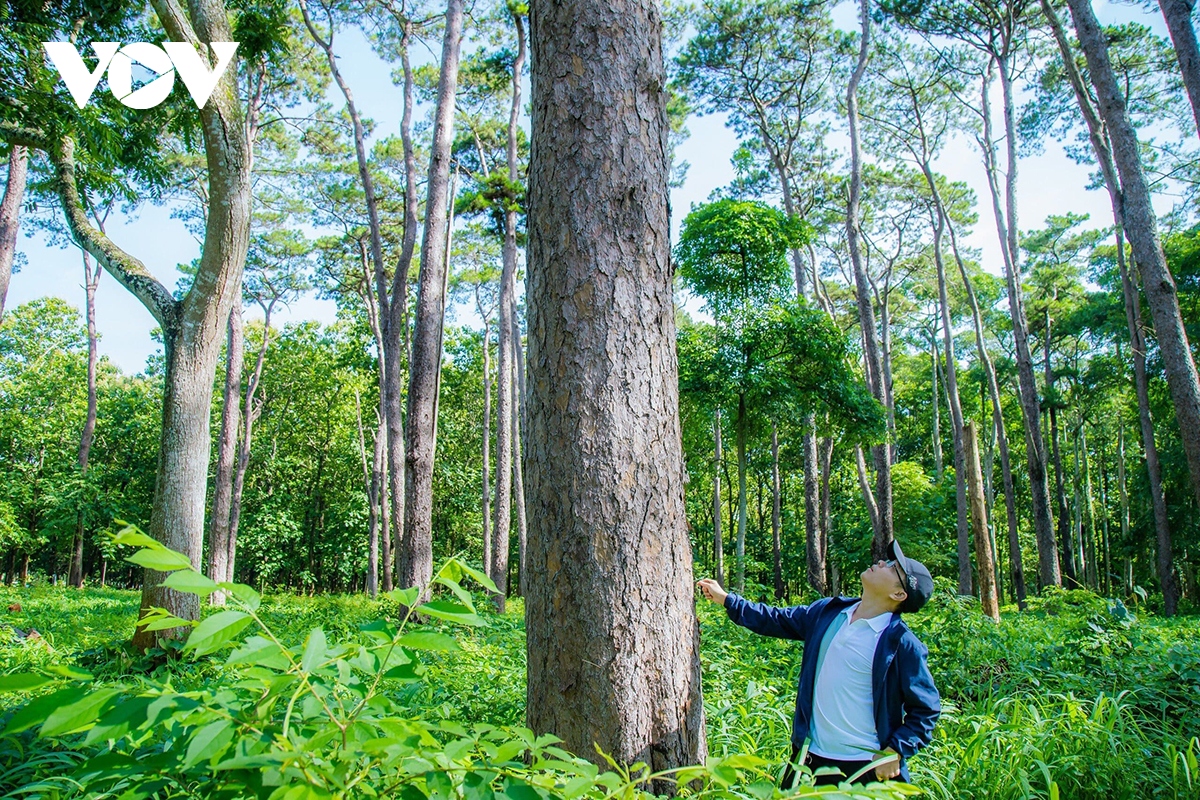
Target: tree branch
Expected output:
[129,271]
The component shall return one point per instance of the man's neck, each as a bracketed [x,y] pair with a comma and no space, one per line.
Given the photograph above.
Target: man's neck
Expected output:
[870,607]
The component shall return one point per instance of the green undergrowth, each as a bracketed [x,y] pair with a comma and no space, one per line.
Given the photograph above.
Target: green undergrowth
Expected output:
[1077,697]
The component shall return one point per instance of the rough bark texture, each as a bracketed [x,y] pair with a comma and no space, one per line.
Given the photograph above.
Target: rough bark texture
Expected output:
[218,524]
[613,641]
[718,541]
[518,454]
[979,526]
[881,453]
[1178,14]
[10,215]
[1035,446]
[485,501]
[1141,226]
[416,552]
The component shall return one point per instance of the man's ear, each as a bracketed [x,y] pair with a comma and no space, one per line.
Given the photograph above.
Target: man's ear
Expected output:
[899,596]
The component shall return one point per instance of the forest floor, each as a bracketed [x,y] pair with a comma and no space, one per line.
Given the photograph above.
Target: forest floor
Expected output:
[1078,697]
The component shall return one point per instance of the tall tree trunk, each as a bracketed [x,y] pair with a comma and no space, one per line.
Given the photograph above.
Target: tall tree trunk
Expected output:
[1141,226]
[371,487]
[613,642]
[826,456]
[718,542]
[1035,448]
[936,425]
[10,215]
[416,556]
[740,547]
[983,546]
[1089,512]
[1178,14]
[776,555]
[485,500]
[1102,147]
[218,524]
[91,278]
[881,453]
[993,389]
[1070,569]
[518,456]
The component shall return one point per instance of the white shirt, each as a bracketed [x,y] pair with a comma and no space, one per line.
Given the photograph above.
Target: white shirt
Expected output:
[843,725]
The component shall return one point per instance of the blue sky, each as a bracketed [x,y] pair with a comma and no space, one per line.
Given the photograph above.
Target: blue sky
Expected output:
[1047,183]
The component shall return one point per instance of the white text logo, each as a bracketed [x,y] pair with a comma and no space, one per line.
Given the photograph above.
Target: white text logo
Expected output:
[163,61]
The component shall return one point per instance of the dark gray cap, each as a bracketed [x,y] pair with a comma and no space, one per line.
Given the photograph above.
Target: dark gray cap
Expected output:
[920,582]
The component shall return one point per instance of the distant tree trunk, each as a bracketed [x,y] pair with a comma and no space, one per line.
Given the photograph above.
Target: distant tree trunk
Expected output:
[993,389]
[776,522]
[613,642]
[10,216]
[91,278]
[864,483]
[881,453]
[983,546]
[1006,227]
[814,542]
[1141,226]
[218,524]
[485,496]
[518,456]
[372,582]
[938,464]
[1070,571]
[1178,14]
[718,542]
[416,557]
[741,423]
[826,456]
[1089,511]
[1133,317]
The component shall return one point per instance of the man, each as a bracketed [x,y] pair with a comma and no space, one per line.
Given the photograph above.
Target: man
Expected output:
[865,693]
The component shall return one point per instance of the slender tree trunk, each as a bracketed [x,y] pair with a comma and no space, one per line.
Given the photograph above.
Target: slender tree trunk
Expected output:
[1141,226]
[881,453]
[718,542]
[983,547]
[1089,511]
[1070,570]
[1178,14]
[251,408]
[814,542]
[864,483]
[91,278]
[416,556]
[993,389]
[776,522]
[1104,156]
[741,424]
[485,497]
[10,216]
[613,642]
[218,527]
[518,456]
[372,582]
[1043,523]
[938,465]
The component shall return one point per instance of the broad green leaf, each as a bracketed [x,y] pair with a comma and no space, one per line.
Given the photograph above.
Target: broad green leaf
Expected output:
[517,789]
[23,681]
[451,612]
[133,537]
[71,673]
[510,750]
[166,623]
[480,578]
[163,560]
[462,594]
[428,640]
[439,785]
[190,582]
[478,786]
[244,593]
[261,652]
[314,650]
[576,786]
[126,716]
[80,714]
[404,597]
[216,631]
[208,742]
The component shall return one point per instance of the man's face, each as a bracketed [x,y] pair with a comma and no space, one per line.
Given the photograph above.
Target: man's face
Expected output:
[883,578]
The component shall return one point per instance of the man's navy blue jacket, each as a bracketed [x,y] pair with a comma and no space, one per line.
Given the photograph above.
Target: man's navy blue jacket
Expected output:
[906,701]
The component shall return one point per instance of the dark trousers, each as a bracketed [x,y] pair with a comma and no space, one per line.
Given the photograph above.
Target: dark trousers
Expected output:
[815,762]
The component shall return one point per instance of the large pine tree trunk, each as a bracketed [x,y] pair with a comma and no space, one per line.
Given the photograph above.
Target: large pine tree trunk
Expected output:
[1035,446]
[10,215]
[1178,14]
[983,546]
[613,642]
[1141,226]
[416,555]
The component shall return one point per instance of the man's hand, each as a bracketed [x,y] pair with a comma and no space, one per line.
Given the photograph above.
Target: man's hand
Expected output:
[888,769]
[712,590]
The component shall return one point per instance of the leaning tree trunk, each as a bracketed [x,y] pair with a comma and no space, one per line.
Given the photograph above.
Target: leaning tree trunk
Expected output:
[1035,446]
[416,555]
[218,524]
[1141,226]
[1178,14]
[10,215]
[613,641]
[91,277]
[881,453]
